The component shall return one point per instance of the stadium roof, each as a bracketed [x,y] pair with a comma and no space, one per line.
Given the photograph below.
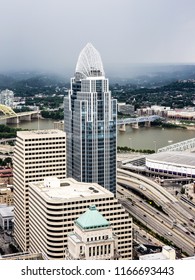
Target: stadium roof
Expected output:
[179,158]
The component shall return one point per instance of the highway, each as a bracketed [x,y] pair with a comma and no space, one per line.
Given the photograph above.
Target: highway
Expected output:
[7,140]
[170,225]
[156,192]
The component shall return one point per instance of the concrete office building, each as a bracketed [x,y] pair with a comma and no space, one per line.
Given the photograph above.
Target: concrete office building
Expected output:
[90,116]
[55,204]
[37,154]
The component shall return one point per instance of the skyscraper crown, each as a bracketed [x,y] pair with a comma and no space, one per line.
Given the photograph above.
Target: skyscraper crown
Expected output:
[89,63]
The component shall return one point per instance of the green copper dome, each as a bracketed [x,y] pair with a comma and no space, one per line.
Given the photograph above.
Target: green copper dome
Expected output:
[92,219]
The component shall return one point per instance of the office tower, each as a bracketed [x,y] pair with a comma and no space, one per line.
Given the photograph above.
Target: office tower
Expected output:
[92,238]
[55,204]
[37,154]
[90,116]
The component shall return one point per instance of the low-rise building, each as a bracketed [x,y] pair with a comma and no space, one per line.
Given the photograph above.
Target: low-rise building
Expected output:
[6,196]
[23,256]
[6,217]
[168,253]
[92,238]
[6,175]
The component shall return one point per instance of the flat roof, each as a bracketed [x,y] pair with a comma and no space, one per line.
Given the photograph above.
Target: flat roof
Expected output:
[155,256]
[179,158]
[74,237]
[70,190]
[7,211]
[40,133]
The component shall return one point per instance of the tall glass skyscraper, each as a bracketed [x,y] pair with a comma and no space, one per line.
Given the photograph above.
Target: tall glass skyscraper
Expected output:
[90,123]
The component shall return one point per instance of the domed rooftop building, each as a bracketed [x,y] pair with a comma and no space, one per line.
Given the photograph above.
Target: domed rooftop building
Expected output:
[93,238]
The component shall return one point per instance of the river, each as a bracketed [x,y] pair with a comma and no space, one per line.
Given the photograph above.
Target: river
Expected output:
[142,138]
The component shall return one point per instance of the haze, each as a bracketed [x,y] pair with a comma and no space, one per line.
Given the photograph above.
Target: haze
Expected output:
[49,34]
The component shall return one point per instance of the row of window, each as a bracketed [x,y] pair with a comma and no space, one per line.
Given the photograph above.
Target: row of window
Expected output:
[44,139]
[104,237]
[40,144]
[99,250]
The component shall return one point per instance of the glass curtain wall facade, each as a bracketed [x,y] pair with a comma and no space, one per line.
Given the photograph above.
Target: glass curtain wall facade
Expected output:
[90,123]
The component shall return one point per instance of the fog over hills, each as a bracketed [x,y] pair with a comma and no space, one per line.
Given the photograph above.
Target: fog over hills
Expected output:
[158,74]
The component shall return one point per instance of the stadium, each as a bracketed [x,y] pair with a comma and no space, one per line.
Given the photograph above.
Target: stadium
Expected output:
[172,163]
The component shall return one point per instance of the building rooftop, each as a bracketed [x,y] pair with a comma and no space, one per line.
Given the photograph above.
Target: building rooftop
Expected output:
[40,133]
[156,256]
[168,253]
[92,219]
[179,158]
[69,190]
[7,211]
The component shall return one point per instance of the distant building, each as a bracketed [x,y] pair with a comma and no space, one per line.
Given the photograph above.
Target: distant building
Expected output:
[184,114]
[7,97]
[92,238]
[126,109]
[55,204]
[161,111]
[37,154]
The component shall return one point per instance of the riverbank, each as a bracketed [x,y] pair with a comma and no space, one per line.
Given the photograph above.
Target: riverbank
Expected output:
[190,127]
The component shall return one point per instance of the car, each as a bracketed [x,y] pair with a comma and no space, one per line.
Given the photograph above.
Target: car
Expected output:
[169,233]
[144,215]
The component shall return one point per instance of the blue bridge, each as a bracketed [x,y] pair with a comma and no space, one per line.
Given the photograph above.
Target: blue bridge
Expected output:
[135,121]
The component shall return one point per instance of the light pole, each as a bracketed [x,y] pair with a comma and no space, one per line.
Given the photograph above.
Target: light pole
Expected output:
[130,143]
[154,146]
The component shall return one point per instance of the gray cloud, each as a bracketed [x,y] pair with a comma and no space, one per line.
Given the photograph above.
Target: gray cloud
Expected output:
[49,34]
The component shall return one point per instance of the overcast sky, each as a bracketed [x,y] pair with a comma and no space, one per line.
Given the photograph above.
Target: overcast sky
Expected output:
[49,34]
